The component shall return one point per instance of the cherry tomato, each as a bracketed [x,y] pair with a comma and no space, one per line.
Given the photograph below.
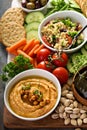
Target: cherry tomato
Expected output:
[45,65]
[62,74]
[69,39]
[60,61]
[43,54]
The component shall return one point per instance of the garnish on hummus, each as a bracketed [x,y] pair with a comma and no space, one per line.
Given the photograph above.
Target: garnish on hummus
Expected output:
[33,97]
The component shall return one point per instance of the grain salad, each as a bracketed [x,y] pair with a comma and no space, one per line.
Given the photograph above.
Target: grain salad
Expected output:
[59,33]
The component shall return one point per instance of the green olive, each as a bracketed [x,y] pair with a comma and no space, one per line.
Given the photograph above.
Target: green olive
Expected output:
[43,2]
[30,5]
[32,0]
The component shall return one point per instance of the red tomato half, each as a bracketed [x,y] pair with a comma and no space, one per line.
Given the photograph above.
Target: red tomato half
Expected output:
[43,54]
[45,65]
[62,61]
[62,74]
[45,40]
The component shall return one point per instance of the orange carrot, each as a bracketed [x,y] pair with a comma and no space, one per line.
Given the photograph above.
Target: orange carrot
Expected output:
[39,48]
[14,52]
[30,48]
[25,55]
[21,47]
[36,41]
[16,45]
[35,62]
[28,45]
[33,49]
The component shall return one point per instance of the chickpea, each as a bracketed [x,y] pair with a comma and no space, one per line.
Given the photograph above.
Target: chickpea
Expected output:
[25,96]
[33,98]
[35,103]
[42,103]
[47,101]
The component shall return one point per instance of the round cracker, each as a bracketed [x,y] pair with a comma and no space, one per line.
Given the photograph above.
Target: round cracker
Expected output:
[12,33]
[84,7]
[0,31]
[13,14]
[77,1]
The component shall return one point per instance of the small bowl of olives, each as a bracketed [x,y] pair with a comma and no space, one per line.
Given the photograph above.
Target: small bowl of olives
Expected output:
[79,85]
[34,5]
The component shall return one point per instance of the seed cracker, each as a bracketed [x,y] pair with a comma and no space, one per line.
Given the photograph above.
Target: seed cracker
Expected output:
[12,33]
[0,31]
[13,14]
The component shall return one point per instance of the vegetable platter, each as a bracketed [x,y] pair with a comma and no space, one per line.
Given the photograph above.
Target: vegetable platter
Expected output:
[70,114]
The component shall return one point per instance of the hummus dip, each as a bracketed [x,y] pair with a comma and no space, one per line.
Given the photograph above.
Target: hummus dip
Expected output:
[33,97]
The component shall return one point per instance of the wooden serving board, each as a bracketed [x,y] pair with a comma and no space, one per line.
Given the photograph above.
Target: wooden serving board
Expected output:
[12,122]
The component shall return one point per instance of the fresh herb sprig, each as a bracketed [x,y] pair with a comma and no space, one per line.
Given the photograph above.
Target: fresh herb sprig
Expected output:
[59,5]
[11,69]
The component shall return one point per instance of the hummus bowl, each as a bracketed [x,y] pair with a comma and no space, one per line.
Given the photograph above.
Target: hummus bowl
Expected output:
[32,94]
[58,30]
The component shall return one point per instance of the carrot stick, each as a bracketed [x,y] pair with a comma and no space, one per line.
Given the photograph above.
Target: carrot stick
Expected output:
[14,52]
[39,48]
[16,45]
[21,47]
[33,49]
[28,45]
[37,41]
[35,62]
[25,55]
[30,48]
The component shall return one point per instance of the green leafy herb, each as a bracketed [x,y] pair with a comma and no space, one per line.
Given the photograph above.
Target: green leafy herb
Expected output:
[26,87]
[37,92]
[72,34]
[68,22]
[59,5]
[11,69]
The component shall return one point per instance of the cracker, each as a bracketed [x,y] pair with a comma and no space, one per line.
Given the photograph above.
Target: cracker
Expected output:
[77,1]
[12,33]
[0,31]
[13,14]
[84,7]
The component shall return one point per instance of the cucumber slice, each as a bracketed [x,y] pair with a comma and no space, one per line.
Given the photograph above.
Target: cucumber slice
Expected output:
[32,26]
[32,34]
[70,66]
[34,16]
[84,51]
[85,45]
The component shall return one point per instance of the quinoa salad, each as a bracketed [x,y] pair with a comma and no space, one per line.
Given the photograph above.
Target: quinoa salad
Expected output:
[59,33]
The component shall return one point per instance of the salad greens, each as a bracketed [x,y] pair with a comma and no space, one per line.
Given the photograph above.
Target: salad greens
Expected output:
[11,69]
[59,5]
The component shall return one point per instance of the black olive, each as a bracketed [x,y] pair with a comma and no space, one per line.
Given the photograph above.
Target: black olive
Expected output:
[23,3]
[30,5]
[43,2]
[37,4]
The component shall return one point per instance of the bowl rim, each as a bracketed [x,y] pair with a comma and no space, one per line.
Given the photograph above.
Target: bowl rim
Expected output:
[55,14]
[14,80]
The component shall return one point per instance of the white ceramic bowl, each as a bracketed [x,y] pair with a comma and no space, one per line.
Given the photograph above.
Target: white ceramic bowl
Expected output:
[32,72]
[42,9]
[75,17]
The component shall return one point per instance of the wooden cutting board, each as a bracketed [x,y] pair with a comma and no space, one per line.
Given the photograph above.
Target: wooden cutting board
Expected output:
[12,122]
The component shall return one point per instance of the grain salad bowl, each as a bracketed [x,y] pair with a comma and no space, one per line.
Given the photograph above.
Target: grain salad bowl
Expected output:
[75,17]
[32,95]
